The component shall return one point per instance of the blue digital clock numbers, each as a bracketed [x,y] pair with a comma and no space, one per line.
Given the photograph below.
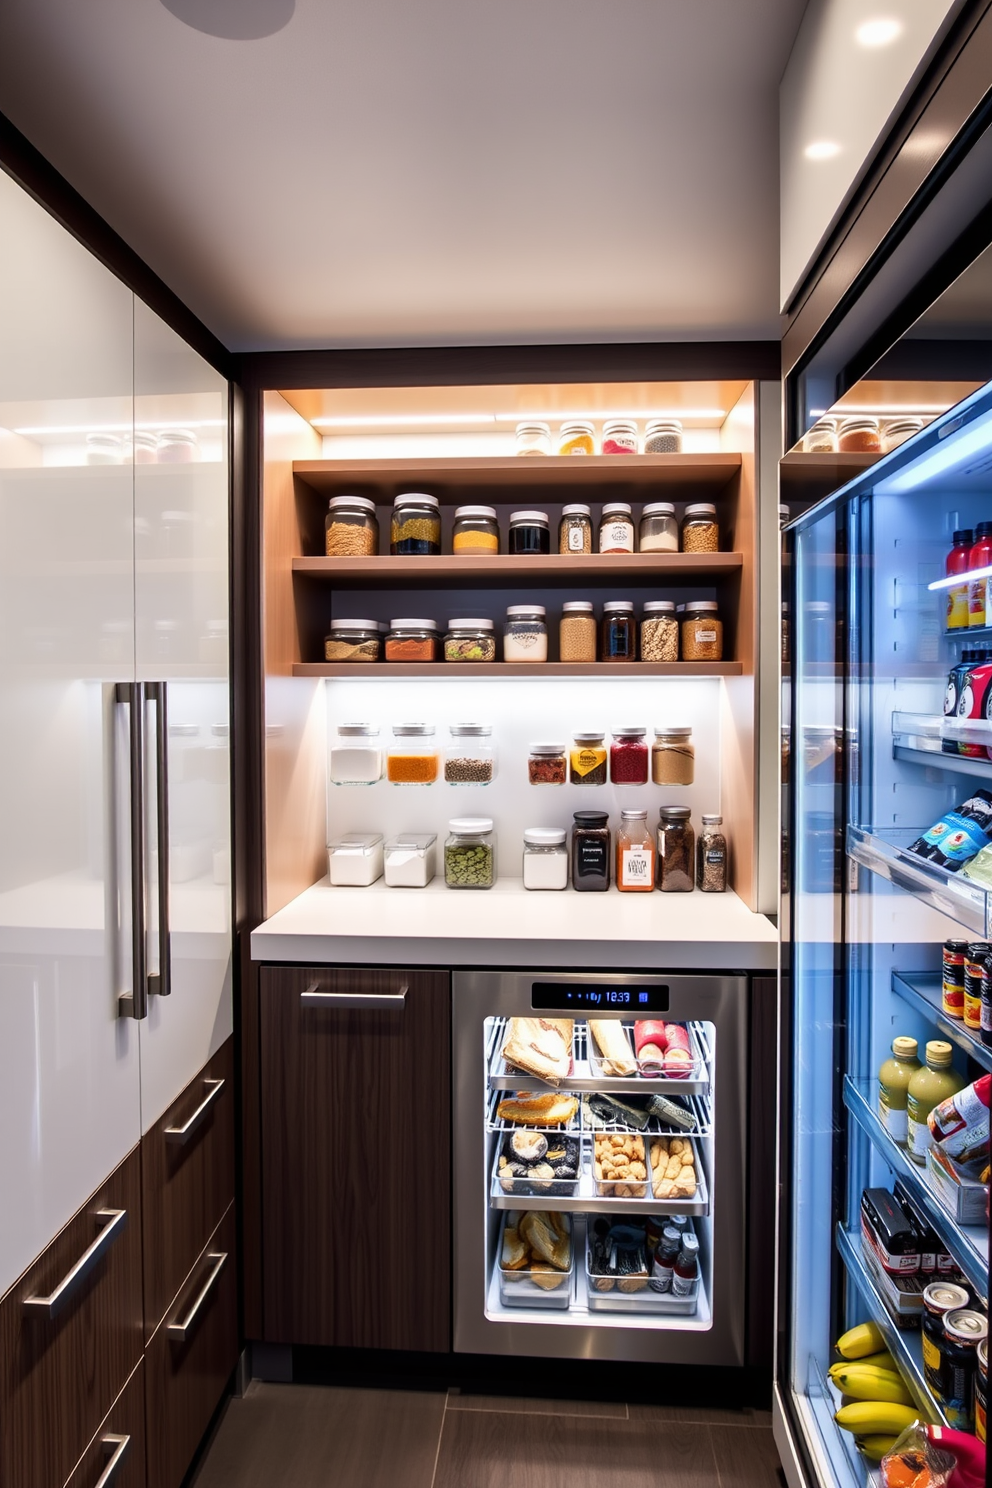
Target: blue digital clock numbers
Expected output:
[577,997]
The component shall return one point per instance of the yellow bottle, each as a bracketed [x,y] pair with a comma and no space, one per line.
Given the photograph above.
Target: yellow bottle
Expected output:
[927,1088]
[893,1087]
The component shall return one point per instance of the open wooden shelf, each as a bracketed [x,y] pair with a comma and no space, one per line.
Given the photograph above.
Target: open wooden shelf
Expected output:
[502,569]
[482,670]
[808,477]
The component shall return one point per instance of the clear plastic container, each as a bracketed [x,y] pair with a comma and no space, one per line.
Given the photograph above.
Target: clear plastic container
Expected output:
[355,860]
[700,529]
[351,529]
[525,634]
[533,439]
[530,532]
[415,525]
[475,530]
[577,438]
[659,631]
[577,631]
[469,758]
[673,756]
[859,435]
[619,437]
[410,860]
[663,437]
[575,529]
[412,756]
[616,528]
[470,853]
[353,640]
[702,632]
[821,439]
[412,640]
[547,764]
[619,631]
[545,861]
[470,640]
[355,756]
[658,531]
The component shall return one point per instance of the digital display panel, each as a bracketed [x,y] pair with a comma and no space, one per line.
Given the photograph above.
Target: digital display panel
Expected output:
[598,997]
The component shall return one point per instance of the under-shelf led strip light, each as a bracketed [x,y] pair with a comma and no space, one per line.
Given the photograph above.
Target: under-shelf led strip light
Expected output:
[411,420]
[962,578]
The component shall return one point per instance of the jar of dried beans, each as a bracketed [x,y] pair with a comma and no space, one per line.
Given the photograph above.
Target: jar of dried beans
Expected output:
[629,757]
[353,640]
[663,437]
[575,529]
[350,527]
[415,526]
[702,632]
[469,758]
[700,530]
[673,758]
[659,631]
[577,631]
[676,851]
[412,640]
[711,857]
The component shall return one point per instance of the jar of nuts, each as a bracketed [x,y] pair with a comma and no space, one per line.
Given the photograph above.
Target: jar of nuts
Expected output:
[700,530]
[702,632]
[350,527]
[659,631]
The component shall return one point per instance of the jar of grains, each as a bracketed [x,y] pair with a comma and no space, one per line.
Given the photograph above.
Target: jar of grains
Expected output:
[616,528]
[619,631]
[529,532]
[587,758]
[353,640]
[673,757]
[533,439]
[821,439]
[619,437]
[355,756]
[547,764]
[575,529]
[629,757]
[415,525]
[576,438]
[545,864]
[350,527]
[590,852]
[859,436]
[475,530]
[659,631]
[412,640]
[702,632]
[412,756]
[700,531]
[676,851]
[470,853]
[469,757]
[577,631]
[663,437]
[658,531]
[711,857]
[525,634]
[470,640]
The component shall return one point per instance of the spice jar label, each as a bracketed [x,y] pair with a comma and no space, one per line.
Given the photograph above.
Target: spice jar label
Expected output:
[616,537]
[636,867]
[705,636]
[575,540]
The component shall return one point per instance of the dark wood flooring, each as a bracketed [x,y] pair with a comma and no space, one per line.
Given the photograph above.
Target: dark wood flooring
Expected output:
[311,1436]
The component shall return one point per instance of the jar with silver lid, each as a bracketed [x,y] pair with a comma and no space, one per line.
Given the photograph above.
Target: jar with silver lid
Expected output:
[355,756]
[525,634]
[619,437]
[533,438]
[659,631]
[658,531]
[700,529]
[575,529]
[663,437]
[415,525]
[676,850]
[616,528]
[545,862]
[469,758]
[711,856]
[350,527]
[412,756]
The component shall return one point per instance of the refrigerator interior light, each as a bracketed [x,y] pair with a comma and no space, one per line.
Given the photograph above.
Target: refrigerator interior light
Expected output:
[943,458]
[961,578]
[544,415]
[822,150]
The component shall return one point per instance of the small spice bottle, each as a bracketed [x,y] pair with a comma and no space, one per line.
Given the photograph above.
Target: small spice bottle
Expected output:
[635,853]
[590,852]
[525,634]
[533,439]
[676,855]
[619,437]
[821,439]
[529,532]
[658,531]
[576,438]
[469,758]
[575,529]
[619,631]
[415,525]
[412,756]
[659,631]
[470,640]
[470,853]
[577,631]
[673,757]
[587,758]
[711,857]
[663,437]
[859,436]
[629,756]
[350,527]
[353,640]
[475,530]
[547,764]
[412,640]
[545,864]
[702,632]
[700,530]
[616,528]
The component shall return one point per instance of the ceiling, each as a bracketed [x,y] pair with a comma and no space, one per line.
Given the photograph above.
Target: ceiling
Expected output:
[383,173]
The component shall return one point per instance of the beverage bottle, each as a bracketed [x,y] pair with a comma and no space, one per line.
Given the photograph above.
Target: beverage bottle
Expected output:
[979,556]
[957,563]
[985,1013]
[935,1082]
[686,1271]
[955,682]
[952,980]
[975,958]
[958,835]
[663,1261]
[893,1087]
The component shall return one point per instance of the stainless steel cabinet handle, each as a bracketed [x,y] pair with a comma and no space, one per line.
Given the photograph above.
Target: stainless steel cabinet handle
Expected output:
[181,1134]
[116,1448]
[67,1288]
[160,982]
[312,997]
[133,694]
[181,1331]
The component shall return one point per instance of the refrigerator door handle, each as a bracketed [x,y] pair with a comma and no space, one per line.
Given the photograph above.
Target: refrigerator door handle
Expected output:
[313,997]
[134,1004]
[160,982]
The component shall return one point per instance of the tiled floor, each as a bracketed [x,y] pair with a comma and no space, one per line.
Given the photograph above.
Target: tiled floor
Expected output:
[311,1436]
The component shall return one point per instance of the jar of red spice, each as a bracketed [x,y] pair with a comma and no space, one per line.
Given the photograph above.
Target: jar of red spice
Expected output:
[412,640]
[629,757]
[619,437]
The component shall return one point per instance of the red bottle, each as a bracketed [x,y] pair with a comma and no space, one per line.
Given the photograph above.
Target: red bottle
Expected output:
[957,595]
[686,1269]
[980,556]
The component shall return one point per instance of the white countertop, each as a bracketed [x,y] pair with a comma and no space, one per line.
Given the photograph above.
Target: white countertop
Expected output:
[509,926]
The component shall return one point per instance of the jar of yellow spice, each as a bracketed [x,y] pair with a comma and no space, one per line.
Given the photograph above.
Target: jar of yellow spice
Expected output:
[475,530]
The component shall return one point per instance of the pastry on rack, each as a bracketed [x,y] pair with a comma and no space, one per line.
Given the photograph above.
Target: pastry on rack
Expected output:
[614,1045]
[541,1047]
[673,1168]
[538,1110]
[620,1166]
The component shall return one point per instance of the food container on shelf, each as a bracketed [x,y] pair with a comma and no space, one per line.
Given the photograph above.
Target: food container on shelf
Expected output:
[616,528]
[619,437]
[105,449]
[702,631]
[575,529]
[533,439]
[530,532]
[821,439]
[676,851]
[412,640]
[469,758]
[355,860]
[475,530]
[547,764]
[612,1287]
[351,529]
[896,430]
[659,631]
[545,860]
[410,860]
[700,529]
[470,853]
[859,435]
[658,531]
[519,1288]
[525,634]
[353,640]
[673,756]
[415,524]
[470,640]
[619,631]
[629,756]
[590,857]
[177,446]
[577,631]
[145,447]
[355,756]
[663,437]
[521,1178]
[577,438]
[412,756]
[588,757]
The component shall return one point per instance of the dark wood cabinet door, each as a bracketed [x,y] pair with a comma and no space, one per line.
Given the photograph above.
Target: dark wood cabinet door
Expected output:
[187,1175]
[120,1440]
[356,1159]
[60,1375]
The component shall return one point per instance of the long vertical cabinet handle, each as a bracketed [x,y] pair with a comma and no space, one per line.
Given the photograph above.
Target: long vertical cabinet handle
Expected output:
[160,984]
[133,695]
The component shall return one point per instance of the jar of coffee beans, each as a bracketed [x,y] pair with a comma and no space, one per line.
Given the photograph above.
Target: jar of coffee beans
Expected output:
[676,851]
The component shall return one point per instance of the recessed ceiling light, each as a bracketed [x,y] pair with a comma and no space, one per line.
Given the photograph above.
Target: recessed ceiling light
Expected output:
[822,150]
[878,32]
[234,20]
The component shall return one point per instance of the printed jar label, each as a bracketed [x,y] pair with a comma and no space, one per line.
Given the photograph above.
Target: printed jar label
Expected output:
[616,537]
[705,636]
[917,1131]
[592,859]
[958,837]
[953,999]
[575,536]
[636,864]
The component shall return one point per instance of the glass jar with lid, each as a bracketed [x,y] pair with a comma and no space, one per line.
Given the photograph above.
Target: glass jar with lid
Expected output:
[415,525]
[545,863]
[525,634]
[658,531]
[177,446]
[673,756]
[355,860]
[145,447]
[619,631]
[469,758]
[353,640]
[676,851]
[896,430]
[575,529]
[411,639]
[587,760]
[577,631]
[412,756]
[590,852]
[635,853]
[700,529]
[663,437]
[616,528]
[470,853]
[711,856]
[619,437]
[105,449]
[659,631]
[821,438]
[577,438]
[410,860]
[547,764]
[533,438]
[470,640]
[351,529]
[530,532]
[475,530]
[629,756]
[355,755]
[702,631]
[859,435]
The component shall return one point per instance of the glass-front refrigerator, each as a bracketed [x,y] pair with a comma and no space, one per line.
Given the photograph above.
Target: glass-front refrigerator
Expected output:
[887,919]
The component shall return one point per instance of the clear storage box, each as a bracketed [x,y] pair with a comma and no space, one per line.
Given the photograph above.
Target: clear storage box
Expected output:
[411,860]
[518,1288]
[355,860]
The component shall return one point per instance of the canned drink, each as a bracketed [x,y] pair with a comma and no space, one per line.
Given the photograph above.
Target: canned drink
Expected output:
[986,1011]
[964,1330]
[939,1298]
[953,977]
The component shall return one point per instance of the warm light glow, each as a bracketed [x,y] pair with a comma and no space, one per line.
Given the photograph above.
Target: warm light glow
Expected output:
[879,32]
[881,410]
[555,416]
[43,429]
[954,579]
[822,150]
[612,413]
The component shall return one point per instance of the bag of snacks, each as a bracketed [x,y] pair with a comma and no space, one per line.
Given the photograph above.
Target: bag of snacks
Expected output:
[934,1457]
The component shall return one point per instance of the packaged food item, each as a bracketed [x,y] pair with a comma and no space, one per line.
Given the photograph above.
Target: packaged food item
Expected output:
[410,860]
[939,1298]
[547,764]
[702,631]
[576,438]
[959,1125]
[545,861]
[590,851]
[620,1167]
[616,528]
[533,438]
[629,756]
[979,556]
[415,525]
[859,435]
[658,531]
[355,756]
[355,860]
[470,640]
[575,529]
[928,1086]
[663,437]
[711,856]
[525,634]
[350,527]
[540,1046]
[685,1273]
[893,1087]
[577,631]
[975,968]
[475,530]
[353,640]
[470,853]
[619,437]
[619,631]
[673,1173]
[530,533]
[979,870]
[664,1259]
[958,835]
[821,439]
[635,853]
[964,1330]
[587,758]
[412,640]
[889,1233]
[952,978]
[985,1012]
[700,529]
[957,563]
[469,758]
[676,850]
[659,631]
[673,757]
[412,757]
[617,1257]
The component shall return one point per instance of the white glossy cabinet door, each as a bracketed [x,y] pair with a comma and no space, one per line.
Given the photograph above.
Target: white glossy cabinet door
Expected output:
[181,643]
[69,1067]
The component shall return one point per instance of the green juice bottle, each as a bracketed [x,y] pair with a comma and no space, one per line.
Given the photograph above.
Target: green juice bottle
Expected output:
[893,1088]
[927,1088]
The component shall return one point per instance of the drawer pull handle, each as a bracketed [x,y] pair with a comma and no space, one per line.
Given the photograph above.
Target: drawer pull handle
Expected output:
[116,1448]
[67,1288]
[312,997]
[181,1331]
[181,1134]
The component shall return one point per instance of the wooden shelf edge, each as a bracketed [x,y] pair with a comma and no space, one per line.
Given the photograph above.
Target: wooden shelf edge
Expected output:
[586,566]
[716,468]
[386,669]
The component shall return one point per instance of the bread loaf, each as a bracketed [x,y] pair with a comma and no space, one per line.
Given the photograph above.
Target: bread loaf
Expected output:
[540,1046]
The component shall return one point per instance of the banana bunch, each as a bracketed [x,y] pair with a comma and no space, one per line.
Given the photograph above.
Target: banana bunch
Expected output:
[878,1405]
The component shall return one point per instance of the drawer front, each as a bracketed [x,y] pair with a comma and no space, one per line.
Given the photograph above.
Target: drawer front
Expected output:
[60,1374]
[186,1376]
[118,1449]
[356,1148]
[187,1162]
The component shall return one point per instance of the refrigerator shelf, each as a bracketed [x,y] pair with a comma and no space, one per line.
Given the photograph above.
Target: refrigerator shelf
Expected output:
[967,1243]
[585,1199]
[948,893]
[496,1123]
[701,1107]
[586,1067]
[920,738]
[922,990]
